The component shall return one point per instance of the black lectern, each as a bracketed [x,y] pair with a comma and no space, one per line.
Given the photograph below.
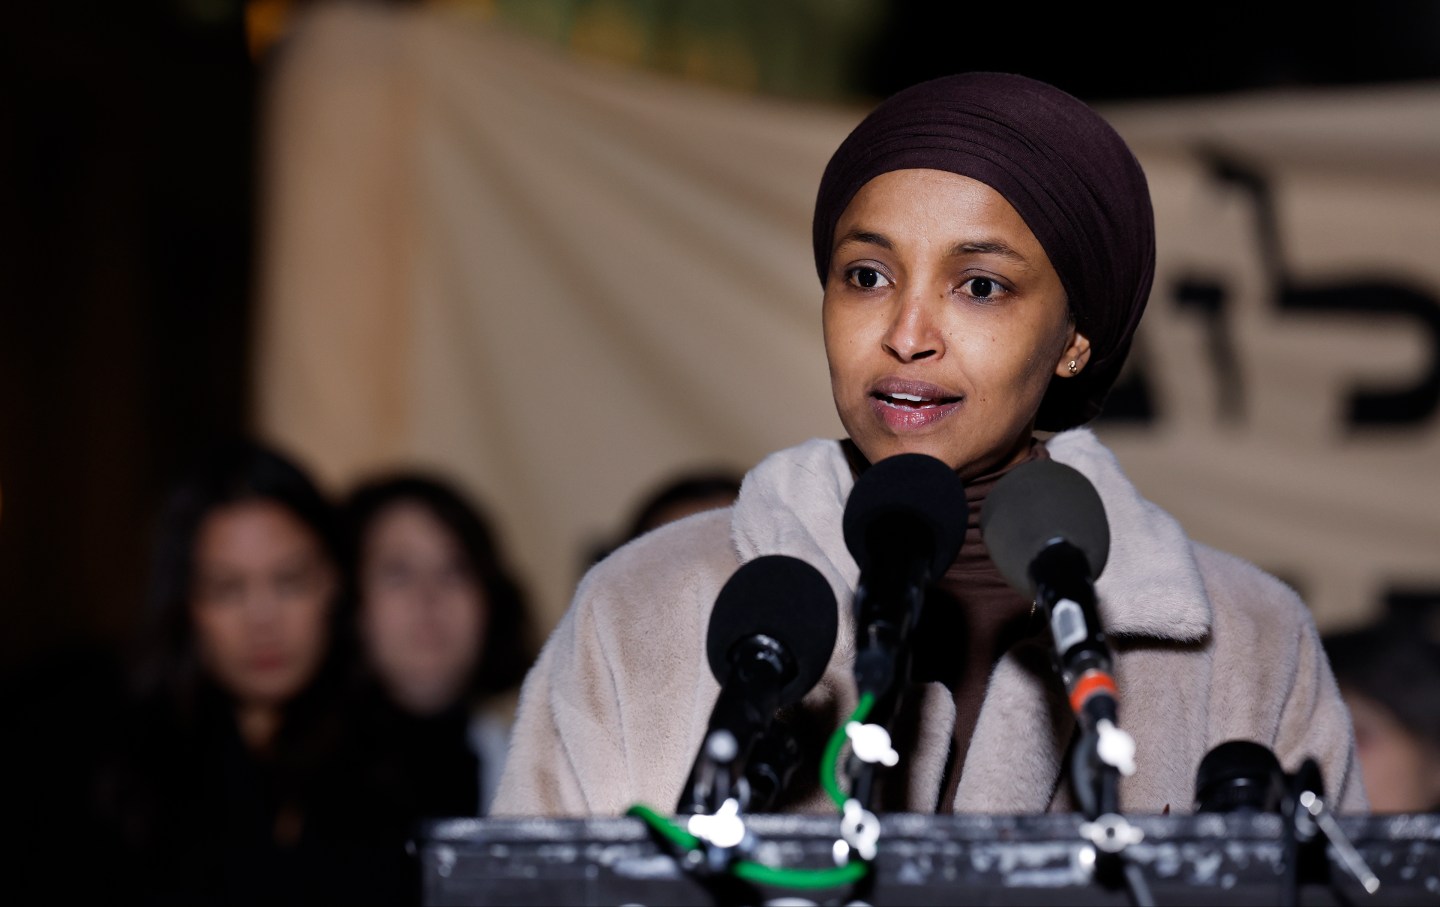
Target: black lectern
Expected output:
[1209,859]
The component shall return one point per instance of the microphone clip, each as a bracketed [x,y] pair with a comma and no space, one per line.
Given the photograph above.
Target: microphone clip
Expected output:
[723,836]
[1111,833]
[1114,747]
[870,743]
[1310,824]
[859,833]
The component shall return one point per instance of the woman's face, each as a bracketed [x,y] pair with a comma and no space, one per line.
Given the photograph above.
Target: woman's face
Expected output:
[944,322]
[260,605]
[423,614]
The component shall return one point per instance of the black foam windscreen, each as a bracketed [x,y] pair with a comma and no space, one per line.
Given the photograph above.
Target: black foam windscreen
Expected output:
[908,492]
[786,599]
[1033,505]
[1238,775]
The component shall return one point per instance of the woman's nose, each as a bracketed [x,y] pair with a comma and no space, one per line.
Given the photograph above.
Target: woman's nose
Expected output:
[914,331]
[263,606]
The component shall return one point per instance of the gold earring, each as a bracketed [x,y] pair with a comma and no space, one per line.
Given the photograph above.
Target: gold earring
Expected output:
[1073,367]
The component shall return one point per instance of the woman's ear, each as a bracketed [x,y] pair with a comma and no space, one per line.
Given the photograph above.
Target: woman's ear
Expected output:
[1076,354]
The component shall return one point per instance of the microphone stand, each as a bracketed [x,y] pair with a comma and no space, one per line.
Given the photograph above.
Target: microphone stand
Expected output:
[743,711]
[1095,775]
[889,604]
[882,670]
[1308,825]
[1103,752]
[718,791]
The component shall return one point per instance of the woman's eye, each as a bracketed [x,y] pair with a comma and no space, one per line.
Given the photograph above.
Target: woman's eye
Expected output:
[227,591]
[396,576]
[454,572]
[292,583]
[867,278]
[983,287]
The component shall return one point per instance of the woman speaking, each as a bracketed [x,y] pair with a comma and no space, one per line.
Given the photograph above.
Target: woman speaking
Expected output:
[985,243]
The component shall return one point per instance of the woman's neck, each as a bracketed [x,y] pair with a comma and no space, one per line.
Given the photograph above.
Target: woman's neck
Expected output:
[986,472]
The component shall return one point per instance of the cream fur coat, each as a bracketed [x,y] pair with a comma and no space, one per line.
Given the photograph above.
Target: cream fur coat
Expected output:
[1208,648]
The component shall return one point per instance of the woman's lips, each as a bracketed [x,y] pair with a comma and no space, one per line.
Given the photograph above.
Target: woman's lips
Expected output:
[910,405]
[267,662]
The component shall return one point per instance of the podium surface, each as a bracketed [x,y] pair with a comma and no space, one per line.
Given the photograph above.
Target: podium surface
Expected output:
[1209,859]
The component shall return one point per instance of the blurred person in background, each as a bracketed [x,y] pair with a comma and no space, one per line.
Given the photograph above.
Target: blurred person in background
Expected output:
[224,786]
[680,496]
[444,629]
[1389,676]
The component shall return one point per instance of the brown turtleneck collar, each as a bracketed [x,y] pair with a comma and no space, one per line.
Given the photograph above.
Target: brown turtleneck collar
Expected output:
[972,617]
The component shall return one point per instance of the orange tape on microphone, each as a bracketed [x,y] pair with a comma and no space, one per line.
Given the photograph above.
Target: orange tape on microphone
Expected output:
[1091,682]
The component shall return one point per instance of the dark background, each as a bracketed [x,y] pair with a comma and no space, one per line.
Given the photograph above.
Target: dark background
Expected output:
[128,243]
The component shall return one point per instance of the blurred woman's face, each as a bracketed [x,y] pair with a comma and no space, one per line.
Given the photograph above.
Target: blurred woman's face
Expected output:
[1401,772]
[260,605]
[423,615]
[944,322]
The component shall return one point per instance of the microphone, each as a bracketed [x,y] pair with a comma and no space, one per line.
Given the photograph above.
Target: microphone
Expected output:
[904,523]
[1239,776]
[771,634]
[1045,528]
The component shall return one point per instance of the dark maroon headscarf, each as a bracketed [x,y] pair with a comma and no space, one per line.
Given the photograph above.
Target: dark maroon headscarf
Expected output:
[1063,168]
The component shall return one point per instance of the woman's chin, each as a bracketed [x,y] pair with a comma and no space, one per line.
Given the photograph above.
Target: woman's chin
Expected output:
[892,445]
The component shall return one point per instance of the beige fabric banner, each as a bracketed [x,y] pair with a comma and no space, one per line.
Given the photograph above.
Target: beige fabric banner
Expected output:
[562,282]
